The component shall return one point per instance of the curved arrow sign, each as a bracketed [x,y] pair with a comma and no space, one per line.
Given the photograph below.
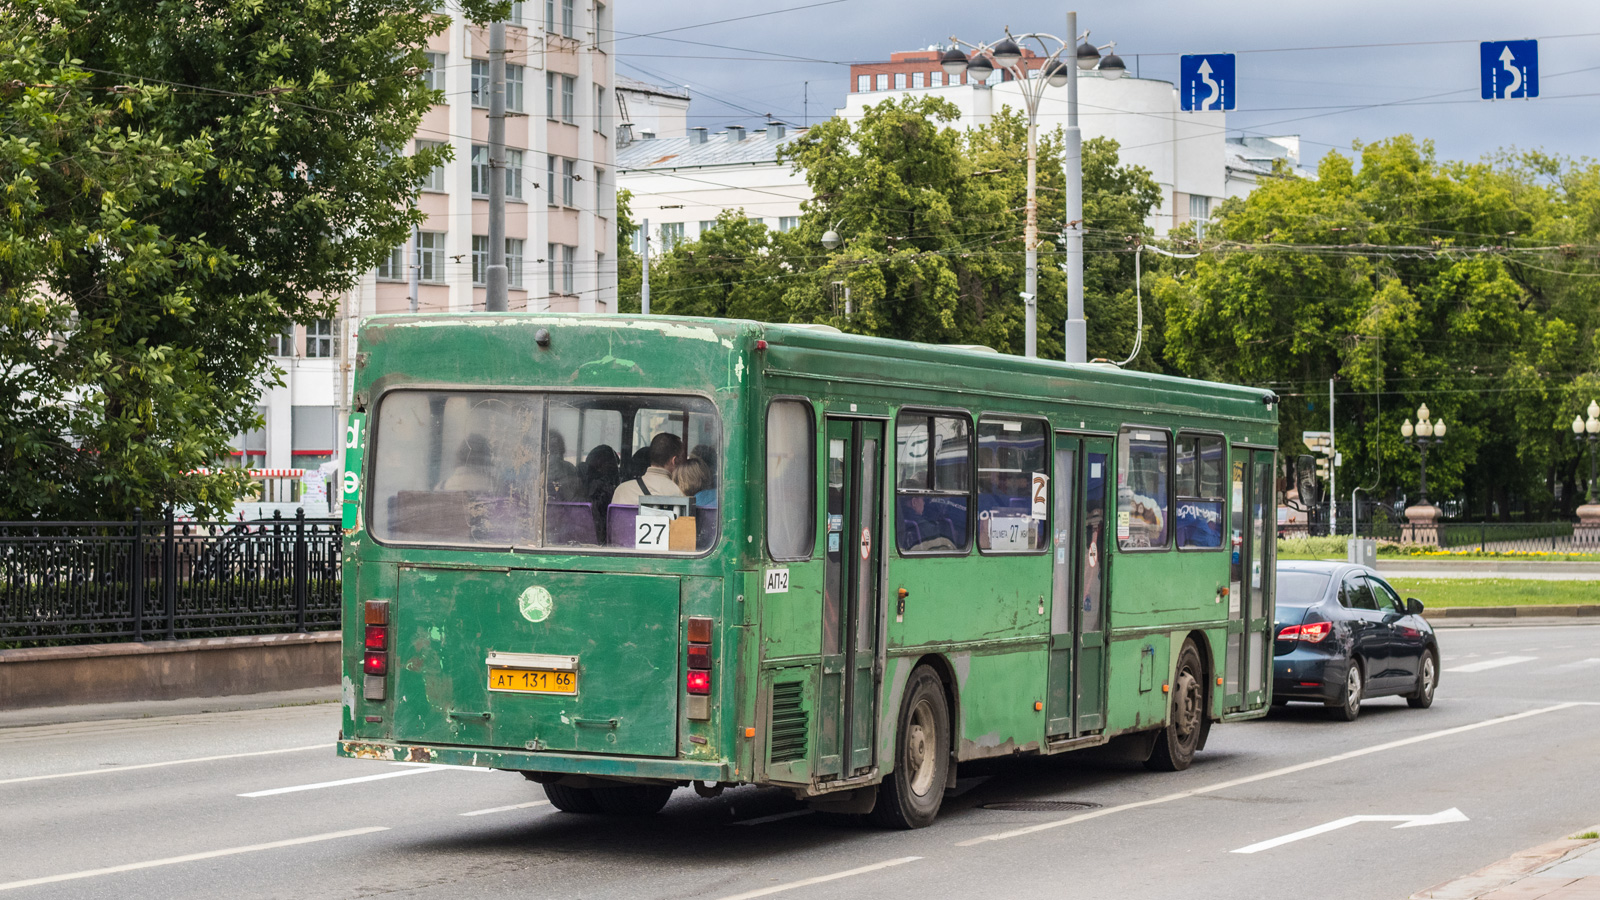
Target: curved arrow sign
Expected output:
[1508,69]
[1206,81]
[1439,818]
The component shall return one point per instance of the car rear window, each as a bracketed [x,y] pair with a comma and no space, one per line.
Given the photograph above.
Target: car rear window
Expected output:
[1301,588]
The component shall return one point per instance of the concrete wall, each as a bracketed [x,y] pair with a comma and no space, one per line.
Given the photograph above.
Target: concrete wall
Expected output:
[167,670]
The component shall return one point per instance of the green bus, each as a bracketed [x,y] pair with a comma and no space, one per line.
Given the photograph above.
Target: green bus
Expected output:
[624,554]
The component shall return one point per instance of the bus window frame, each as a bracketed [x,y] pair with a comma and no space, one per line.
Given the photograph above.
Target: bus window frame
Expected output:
[1115,504]
[766,455]
[374,435]
[1049,471]
[1174,498]
[972,481]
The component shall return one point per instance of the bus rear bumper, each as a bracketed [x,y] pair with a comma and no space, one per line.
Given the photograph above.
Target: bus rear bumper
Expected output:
[531,761]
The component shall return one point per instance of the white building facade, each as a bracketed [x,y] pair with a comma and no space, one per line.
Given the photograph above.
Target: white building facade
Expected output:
[560,188]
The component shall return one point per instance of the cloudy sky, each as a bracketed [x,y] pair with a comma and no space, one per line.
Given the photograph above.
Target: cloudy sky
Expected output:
[1415,69]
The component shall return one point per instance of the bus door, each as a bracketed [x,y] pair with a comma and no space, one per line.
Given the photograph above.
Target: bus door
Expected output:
[1251,542]
[847,711]
[1077,611]
[1263,542]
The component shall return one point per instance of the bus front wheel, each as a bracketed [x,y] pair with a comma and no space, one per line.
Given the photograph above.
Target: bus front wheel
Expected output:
[910,796]
[1177,743]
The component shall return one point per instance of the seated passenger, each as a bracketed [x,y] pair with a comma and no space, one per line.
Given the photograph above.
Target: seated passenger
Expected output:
[666,450]
[600,477]
[704,479]
[560,475]
[474,467]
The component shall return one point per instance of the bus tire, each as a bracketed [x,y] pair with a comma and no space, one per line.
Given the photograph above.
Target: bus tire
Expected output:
[910,796]
[1177,743]
[632,799]
[571,799]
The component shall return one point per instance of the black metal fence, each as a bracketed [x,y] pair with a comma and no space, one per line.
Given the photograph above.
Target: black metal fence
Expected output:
[1521,537]
[94,582]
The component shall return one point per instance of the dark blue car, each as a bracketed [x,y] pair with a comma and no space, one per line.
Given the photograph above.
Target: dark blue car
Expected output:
[1344,635]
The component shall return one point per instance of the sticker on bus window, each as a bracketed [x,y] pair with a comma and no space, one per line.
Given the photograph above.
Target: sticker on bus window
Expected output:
[1094,470]
[777,581]
[1124,525]
[1008,532]
[1041,496]
[651,529]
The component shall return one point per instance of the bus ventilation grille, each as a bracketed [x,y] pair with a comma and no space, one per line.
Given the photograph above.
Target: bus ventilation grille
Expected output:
[788,723]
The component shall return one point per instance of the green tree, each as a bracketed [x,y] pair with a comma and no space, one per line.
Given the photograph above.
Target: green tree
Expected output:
[179,185]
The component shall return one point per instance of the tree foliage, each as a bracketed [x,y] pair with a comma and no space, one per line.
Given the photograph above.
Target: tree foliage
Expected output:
[180,180]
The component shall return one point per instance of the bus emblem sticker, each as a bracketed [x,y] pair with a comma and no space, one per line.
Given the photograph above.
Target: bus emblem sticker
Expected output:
[535,604]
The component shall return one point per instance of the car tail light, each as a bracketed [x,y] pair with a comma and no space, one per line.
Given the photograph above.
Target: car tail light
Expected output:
[698,657]
[375,658]
[1311,632]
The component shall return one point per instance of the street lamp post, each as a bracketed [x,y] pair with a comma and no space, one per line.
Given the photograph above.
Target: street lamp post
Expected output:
[1588,529]
[1007,55]
[1423,516]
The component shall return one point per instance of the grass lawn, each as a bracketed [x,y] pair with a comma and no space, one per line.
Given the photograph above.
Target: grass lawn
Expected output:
[1437,593]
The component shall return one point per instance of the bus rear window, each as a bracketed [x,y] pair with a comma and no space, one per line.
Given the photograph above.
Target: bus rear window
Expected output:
[505,469]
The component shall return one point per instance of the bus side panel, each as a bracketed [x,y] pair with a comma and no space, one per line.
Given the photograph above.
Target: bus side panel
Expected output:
[1138,668]
[705,739]
[791,618]
[999,699]
[1151,590]
[371,580]
[964,598]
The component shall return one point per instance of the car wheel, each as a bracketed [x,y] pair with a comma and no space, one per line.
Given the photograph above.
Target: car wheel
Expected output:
[1427,682]
[571,799]
[632,799]
[1347,708]
[1176,745]
[911,795]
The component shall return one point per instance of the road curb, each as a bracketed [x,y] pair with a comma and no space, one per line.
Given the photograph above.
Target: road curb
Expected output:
[1513,868]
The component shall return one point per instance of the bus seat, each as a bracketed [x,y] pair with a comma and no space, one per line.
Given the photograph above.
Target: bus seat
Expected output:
[1020,502]
[424,515]
[619,524]
[705,527]
[910,535]
[569,522]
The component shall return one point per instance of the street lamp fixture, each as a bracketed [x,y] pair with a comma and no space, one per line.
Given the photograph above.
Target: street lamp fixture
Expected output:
[1589,433]
[830,238]
[1031,76]
[1427,432]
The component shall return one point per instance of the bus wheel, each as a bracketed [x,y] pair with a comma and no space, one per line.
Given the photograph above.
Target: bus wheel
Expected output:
[571,799]
[1176,744]
[632,799]
[910,796]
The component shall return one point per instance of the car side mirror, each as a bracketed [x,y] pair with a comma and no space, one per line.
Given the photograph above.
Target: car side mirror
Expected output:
[1413,606]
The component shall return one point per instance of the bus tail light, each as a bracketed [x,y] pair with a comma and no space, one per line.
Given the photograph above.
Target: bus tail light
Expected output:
[1311,632]
[698,658]
[375,656]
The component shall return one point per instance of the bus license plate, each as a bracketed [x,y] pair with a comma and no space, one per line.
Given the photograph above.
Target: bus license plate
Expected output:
[533,681]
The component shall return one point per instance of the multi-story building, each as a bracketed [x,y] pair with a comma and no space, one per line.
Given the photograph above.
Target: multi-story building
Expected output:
[650,110]
[560,187]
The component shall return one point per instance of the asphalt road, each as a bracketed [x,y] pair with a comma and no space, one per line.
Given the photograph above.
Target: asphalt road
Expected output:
[254,804]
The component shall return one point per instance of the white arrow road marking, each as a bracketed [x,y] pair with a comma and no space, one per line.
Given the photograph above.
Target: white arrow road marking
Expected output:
[192,857]
[1205,76]
[1439,818]
[1495,663]
[1580,664]
[1506,57]
[777,888]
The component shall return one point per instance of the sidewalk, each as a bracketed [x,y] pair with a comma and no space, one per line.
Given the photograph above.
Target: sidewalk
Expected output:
[1560,870]
[149,709]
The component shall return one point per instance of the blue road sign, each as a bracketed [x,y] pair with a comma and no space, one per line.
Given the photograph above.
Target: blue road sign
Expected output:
[1206,81]
[1509,69]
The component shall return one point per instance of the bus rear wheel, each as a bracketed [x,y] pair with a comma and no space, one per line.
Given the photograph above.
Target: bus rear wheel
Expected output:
[1177,743]
[571,799]
[632,799]
[911,795]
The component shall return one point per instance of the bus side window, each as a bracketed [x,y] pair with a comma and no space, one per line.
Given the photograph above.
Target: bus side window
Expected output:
[1144,468]
[933,496]
[1197,486]
[1013,482]
[791,498]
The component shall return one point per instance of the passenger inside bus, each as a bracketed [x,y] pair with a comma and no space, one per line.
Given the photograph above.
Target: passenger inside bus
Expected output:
[693,478]
[706,498]
[561,477]
[666,449]
[922,526]
[474,470]
[600,473]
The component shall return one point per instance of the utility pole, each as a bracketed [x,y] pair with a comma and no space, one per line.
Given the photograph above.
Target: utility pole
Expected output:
[495,276]
[1077,330]
[415,258]
[644,289]
[1333,470]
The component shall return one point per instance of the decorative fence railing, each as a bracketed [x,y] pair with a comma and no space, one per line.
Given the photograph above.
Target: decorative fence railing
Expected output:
[94,582]
[1524,537]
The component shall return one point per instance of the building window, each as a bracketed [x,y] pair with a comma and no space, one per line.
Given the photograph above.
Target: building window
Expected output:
[433,78]
[516,12]
[671,235]
[755,220]
[863,83]
[393,266]
[321,340]
[566,18]
[567,189]
[514,174]
[551,265]
[549,95]
[282,343]
[480,83]
[480,170]
[933,462]
[1197,487]
[600,109]
[569,87]
[568,256]
[434,181]
[550,180]
[1199,213]
[636,240]
[514,80]
[1144,464]
[916,79]
[480,259]
[430,256]
[514,262]
[1013,486]
[883,82]
[706,225]
[788,223]
[899,81]
[938,78]
[550,16]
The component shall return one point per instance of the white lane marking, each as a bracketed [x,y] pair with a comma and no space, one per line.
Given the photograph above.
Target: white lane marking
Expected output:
[1275,773]
[1495,663]
[1580,664]
[762,820]
[190,857]
[477,770]
[495,809]
[344,781]
[762,892]
[170,762]
[1440,818]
